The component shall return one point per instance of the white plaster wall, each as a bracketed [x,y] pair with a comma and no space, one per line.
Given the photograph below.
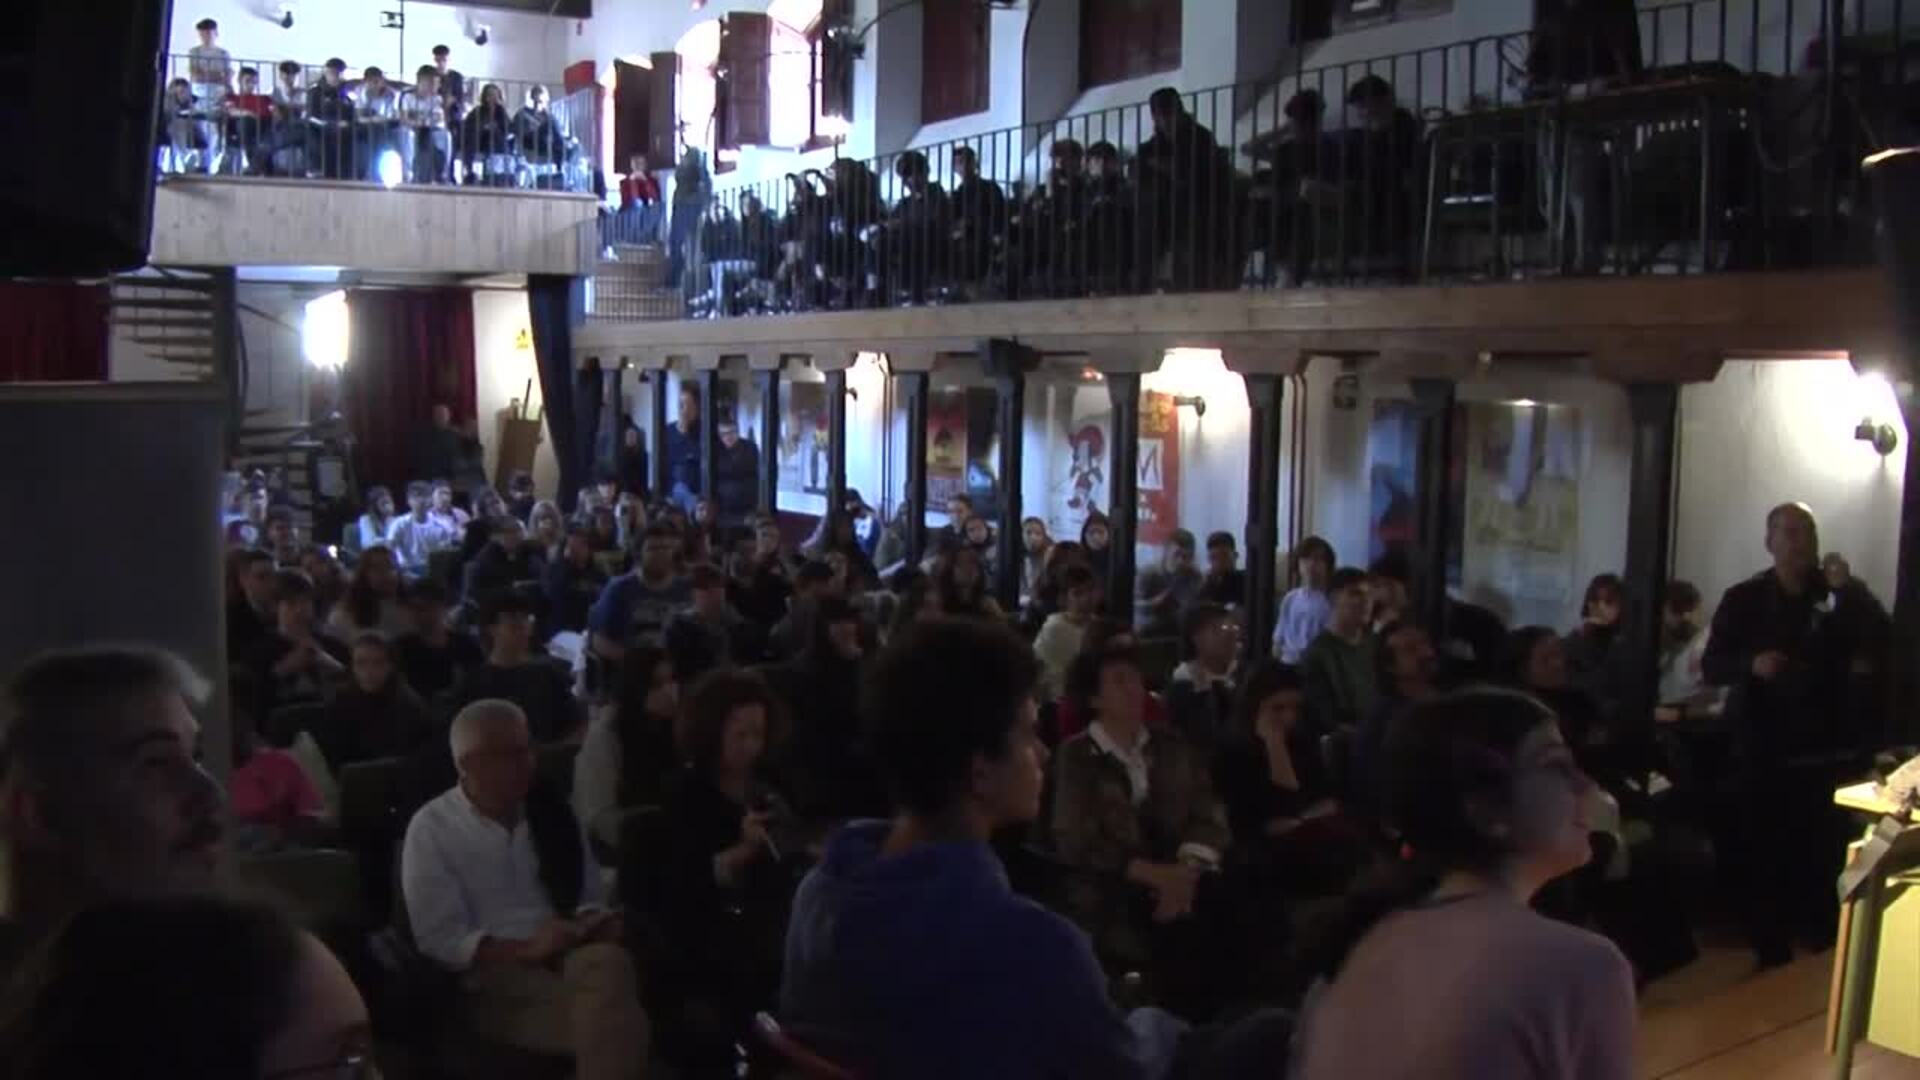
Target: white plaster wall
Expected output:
[519,46]
[1767,432]
[502,371]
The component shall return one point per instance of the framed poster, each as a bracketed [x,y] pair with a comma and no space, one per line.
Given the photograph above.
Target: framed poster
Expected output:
[803,437]
[946,447]
[1078,462]
[1159,468]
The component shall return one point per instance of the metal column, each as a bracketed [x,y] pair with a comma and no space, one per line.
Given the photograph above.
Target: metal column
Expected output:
[768,383]
[915,390]
[1433,403]
[836,440]
[1010,399]
[1123,392]
[1654,409]
[1265,395]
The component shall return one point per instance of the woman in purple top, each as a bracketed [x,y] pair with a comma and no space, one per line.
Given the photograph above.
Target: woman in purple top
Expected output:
[1440,970]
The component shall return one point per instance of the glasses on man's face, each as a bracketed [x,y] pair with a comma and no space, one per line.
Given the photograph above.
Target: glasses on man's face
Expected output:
[351,1067]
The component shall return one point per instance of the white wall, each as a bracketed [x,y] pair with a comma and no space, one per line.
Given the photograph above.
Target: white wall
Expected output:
[519,46]
[503,368]
[1767,432]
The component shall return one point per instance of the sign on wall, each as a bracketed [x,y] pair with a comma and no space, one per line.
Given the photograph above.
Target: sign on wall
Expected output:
[1159,468]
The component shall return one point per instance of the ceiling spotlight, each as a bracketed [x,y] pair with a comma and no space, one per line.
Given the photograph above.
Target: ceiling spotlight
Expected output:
[481,33]
[286,17]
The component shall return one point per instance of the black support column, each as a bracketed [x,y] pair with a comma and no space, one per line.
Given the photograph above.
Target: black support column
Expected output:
[1654,408]
[1433,401]
[1265,395]
[915,389]
[1010,395]
[657,438]
[768,384]
[836,439]
[1900,726]
[709,417]
[1123,480]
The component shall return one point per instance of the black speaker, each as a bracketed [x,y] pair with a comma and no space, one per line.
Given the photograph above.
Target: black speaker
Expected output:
[79,98]
[1896,193]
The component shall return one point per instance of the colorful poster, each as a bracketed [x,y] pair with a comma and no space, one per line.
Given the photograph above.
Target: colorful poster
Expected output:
[803,437]
[1393,444]
[1077,471]
[1159,468]
[1522,519]
[946,447]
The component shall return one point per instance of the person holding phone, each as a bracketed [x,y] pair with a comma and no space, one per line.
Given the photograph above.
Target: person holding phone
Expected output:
[502,889]
[725,893]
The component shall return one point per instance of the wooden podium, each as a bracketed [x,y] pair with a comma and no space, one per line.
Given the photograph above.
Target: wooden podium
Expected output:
[1875,993]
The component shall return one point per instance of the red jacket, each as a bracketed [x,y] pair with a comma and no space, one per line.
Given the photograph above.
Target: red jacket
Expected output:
[639,188]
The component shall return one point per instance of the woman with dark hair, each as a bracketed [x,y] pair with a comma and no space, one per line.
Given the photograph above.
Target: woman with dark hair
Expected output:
[483,134]
[825,764]
[1442,950]
[1102,635]
[1096,536]
[977,535]
[629,752]
[1594,657]
[962,583]
[193,987]
[1534,659]
[372,603]
[1306,607]
[376,714]
[724,889]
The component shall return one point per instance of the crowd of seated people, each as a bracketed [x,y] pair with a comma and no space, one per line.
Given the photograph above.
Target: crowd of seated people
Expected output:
[648,781]
[441,128]
[1173,213]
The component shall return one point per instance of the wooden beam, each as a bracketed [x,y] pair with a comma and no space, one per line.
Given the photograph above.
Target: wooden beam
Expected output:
[1625,320]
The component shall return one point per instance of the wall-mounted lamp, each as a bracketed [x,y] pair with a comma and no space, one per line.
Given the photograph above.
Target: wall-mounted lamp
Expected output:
[1882,437]
[284,16]
[481,33]
[1194,401]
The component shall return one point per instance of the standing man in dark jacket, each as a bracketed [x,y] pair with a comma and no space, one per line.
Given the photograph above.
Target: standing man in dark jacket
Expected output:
[736,474]
[1786,661]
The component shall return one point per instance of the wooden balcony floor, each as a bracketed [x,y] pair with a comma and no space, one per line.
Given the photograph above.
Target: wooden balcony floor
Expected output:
[1718,1020]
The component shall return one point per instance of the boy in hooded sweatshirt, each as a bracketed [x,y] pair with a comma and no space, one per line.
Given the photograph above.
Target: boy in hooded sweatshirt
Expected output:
[908,951]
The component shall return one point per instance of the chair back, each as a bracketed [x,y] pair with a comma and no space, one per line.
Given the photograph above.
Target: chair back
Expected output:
[553,767]
[320,887]
[779,1055]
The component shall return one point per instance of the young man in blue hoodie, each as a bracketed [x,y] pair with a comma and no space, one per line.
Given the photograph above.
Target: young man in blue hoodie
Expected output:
[908,951]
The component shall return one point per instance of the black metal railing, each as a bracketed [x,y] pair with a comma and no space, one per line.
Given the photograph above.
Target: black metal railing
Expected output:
[1700,136]
[282,119]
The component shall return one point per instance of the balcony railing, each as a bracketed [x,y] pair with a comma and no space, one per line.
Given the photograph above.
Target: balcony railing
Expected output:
[253,119]
[1701,136]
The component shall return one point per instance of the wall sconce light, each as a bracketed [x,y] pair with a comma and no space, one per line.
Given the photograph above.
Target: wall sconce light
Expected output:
[1194,401]
[482,33]
[1882,437]
[284,16]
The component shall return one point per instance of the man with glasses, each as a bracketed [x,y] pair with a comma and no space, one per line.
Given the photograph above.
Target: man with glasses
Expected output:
[502,889]
[1200,696]
[101,795]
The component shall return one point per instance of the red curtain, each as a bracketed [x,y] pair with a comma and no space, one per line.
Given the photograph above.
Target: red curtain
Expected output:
[53,331]
[408,350]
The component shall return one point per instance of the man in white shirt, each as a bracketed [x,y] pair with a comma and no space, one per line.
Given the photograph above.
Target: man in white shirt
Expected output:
[210,71]
[376,114]
[487,871]
[415,536]
[426,145]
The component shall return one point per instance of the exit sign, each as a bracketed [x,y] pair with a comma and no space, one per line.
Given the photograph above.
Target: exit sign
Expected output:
[393,20]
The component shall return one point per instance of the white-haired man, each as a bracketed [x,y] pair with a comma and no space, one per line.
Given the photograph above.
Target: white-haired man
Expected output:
[101,796]
[502,888]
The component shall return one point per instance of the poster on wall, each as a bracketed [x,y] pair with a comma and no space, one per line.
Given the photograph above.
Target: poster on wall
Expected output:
[1077,470]
[803,437]
[1159,468]
[946,447]
[1522,515]
[1393,483]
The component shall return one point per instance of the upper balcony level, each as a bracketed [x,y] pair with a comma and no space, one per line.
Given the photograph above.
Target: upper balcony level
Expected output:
[278,164]
[1682,139]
